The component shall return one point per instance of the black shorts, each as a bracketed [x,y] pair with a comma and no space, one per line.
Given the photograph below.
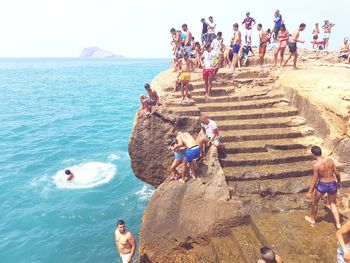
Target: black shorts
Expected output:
[292,47]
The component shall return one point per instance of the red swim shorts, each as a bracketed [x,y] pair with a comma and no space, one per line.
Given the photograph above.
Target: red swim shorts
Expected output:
[207,72]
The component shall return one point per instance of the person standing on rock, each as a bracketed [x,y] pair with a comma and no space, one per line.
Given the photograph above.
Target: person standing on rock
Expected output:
[186,66]
[343,236]
[188,39]
[282,38]
[327,29]
[262,44]
[211,30]
[125,242]
[236,46]
[323,181]
[292,45]
[248,23]
[278,22]
[184,139]
[212,136]
[208,69]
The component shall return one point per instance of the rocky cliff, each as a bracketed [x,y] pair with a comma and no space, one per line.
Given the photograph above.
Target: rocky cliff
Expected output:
[251,192]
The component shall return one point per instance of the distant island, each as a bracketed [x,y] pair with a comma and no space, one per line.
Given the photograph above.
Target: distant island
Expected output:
[95,52]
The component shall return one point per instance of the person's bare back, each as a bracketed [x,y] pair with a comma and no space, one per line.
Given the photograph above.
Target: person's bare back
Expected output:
[325,169]
[186,139]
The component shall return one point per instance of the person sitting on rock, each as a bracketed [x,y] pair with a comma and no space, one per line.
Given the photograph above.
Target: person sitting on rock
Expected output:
[345,49]
[269,256]
[149,101]
[212,136]
[184,139]
[323,181]
[179,155]
[343,236]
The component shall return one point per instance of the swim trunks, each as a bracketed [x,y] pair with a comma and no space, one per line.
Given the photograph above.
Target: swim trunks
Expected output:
[211,36]
[192,153]
[207,72]
[340,253]
[292,47]
[178,156]
[235,48]
[204,37]
[125,257]
[151,102]
[326,35]
[248,32]
[315,37]
[185,76]
[262,49]
[327,187]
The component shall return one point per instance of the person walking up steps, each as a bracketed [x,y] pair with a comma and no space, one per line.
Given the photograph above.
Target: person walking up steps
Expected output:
[292,45]
[323,181]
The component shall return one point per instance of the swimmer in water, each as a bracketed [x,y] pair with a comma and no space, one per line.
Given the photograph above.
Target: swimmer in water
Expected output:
[70,175]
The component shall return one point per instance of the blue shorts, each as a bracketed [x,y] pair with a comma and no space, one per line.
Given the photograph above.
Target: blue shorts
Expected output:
[178,156]
[340,252]
[327,187]
[192,153]
[235,48]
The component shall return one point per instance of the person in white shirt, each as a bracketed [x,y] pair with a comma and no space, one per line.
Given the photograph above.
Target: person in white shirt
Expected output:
[208,69]
[212,136]
[211,29]
[218,49]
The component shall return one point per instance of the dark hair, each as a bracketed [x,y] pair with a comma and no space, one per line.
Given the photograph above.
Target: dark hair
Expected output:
[196,43]
[202,20]
[147,86]
[207,46]
[316,151]
[172,30]
[235,25]
[259,25]
[210,17]
[192,38]
[268,30]
[184,25]
[268,255]
[284,26]
[120,222]
[219,33]
[67,172]
[171,142]
[302,25]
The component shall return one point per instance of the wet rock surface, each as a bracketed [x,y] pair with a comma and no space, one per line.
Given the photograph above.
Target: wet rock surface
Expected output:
[252,191]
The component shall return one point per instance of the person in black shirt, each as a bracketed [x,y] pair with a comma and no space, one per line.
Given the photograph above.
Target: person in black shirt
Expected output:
[204,31]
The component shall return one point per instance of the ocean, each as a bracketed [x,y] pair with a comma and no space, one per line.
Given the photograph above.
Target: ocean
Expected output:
[69,113]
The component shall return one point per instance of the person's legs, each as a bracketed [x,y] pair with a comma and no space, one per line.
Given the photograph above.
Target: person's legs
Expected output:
[275,56]
[206,87]
[316,198]
[282,55]
[295,59]
[184,165]
[202,143]
[285,62]
[332,200]
[193,174]
[210,79]
[186,88]
[175,164]
[182,90]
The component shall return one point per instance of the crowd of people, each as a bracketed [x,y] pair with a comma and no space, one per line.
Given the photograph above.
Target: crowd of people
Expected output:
[210,54]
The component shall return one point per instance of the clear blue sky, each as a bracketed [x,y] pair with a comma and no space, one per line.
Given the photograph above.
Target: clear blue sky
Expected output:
[140,28]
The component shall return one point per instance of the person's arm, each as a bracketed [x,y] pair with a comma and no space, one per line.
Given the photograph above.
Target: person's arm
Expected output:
[345,229]
[313,182]
[157,98]
[254,22]
[337,174]
[133,247]
[215,132]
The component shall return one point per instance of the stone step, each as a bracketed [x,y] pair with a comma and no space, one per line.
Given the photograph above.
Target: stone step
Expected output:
[257,95]
[277,171]
[227,250]
[253,114]
[289,235]
[278,122]
[266,158]
[263,145]
[268,188]
[260,134]
[240,105]
[248,242]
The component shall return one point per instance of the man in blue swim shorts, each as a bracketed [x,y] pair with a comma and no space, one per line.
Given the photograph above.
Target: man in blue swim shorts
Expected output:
[325,179]
[184,139]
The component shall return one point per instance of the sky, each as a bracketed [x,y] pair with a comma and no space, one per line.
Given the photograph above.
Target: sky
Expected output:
[140,28]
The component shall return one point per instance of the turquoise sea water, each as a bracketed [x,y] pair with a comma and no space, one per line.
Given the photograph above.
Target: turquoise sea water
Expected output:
[76,113]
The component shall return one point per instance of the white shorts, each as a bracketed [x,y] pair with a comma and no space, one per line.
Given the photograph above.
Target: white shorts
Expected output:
[248,32]
[125,257]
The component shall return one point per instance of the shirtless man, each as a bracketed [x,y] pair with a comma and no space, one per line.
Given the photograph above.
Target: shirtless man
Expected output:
[212,136]
[188,39]
[236,46]
[345,49]
[176,44]
[343,236]
[70,175]
[184,139]
[186,65]
[293,45]
[323,181]
[263,43]
[125,242]
[269,256]
[150,101]
[315,33]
